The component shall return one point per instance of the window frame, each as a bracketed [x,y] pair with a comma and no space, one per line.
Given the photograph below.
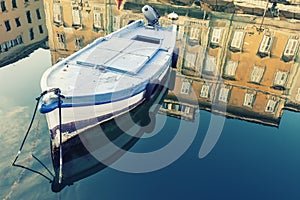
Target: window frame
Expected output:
[18,22]
[7,25]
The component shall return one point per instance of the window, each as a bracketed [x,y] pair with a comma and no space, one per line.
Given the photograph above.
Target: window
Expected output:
[169,106]
[257,74]
[78,43]
[61,40]
[249,100]
[238,40]
[187,110]
[280,79]
[14,3]
[185,87]
[195,32]
[3,7]
[9,44]
[115,23]
[4,47]
[181,32]
[190,60]
[20,39]
[230,69]
[210,64]
[291,47]
[26,1]
[28,16]
[177,107]
[18,23]
[15,42]
[204,91]
[265,45]
[41,29]
[7,25]
[31,34]
[76,17]
[216,35]
[271,106]
[57,12]
[38,14]
[224,94]
[98,20]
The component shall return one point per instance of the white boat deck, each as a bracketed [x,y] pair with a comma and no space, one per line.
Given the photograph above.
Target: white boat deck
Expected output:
[116,62]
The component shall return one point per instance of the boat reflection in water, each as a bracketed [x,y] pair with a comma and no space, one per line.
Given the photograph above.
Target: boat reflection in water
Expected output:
[78,159]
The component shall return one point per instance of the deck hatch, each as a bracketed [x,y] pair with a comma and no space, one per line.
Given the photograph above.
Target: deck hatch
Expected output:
[142,38]
[127,62]
[142,49]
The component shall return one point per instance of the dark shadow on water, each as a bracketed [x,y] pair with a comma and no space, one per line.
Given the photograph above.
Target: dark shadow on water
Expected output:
[78,159]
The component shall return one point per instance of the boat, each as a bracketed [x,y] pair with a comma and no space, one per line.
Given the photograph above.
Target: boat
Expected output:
[80,161]
[106,79]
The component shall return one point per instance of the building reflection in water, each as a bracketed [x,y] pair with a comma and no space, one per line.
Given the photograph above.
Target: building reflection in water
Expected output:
[234,68]
[22,29]
[237,70]
[74,24]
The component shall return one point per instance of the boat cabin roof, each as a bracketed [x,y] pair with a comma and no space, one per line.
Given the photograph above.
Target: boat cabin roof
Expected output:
[125,58]
[120,54]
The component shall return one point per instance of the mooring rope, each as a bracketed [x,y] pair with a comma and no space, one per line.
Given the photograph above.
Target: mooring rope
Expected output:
[32,151]
[57,92]
[29,128]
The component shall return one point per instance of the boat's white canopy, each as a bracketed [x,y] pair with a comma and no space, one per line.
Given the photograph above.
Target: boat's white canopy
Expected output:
[116,62]
[121,54]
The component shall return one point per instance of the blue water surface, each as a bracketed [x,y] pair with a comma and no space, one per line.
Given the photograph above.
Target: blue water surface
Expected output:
[249,161]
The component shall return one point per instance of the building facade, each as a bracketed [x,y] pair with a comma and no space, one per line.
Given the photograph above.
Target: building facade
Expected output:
[237,70]
[22,28]
[73,24]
